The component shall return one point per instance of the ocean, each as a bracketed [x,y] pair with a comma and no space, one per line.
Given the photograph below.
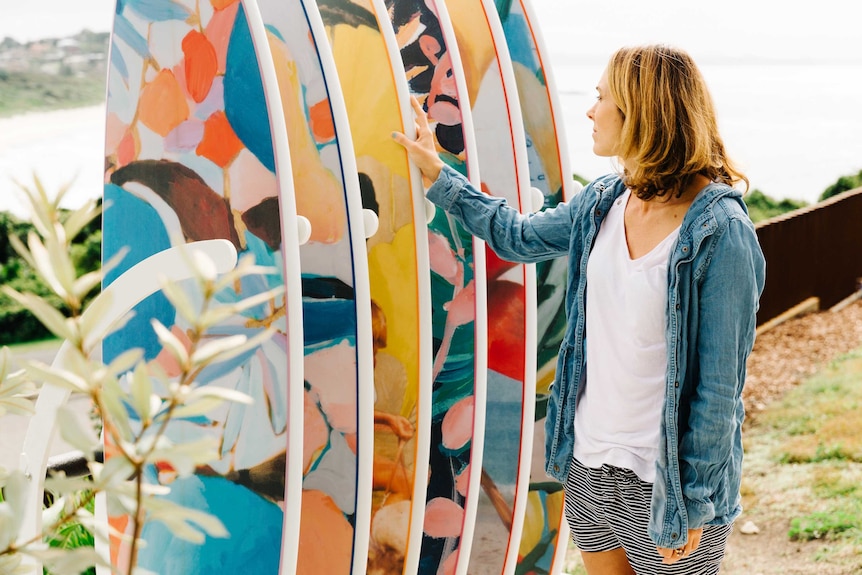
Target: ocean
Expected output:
[792,128]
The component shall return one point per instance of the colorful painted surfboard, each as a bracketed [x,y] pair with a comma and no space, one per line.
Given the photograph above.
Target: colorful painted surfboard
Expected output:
[377,97]
[191,155]
[501,143]
[339,376]
[432,64]
[545,535]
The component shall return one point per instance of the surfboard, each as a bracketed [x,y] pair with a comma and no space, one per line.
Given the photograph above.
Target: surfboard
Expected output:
[432,64]
[377,98]
[545,534]
[339,376]
[504,168]
[191,155]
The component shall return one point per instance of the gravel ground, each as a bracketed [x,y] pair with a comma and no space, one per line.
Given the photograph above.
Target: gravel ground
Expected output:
[794,350]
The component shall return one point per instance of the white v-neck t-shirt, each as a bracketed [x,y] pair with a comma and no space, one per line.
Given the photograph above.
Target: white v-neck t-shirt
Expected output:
[619,409]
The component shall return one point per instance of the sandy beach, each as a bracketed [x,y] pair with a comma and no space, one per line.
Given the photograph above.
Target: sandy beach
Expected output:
[61,146]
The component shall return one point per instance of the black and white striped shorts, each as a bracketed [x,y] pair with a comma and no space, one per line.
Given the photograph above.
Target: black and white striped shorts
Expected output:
[609,508]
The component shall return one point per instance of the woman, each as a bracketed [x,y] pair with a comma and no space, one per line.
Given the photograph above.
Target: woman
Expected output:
[665,275]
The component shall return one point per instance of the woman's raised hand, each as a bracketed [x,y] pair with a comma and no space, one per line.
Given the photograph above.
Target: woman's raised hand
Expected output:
[422,150]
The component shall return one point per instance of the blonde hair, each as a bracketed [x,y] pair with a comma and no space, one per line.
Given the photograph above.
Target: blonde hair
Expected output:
[670,133]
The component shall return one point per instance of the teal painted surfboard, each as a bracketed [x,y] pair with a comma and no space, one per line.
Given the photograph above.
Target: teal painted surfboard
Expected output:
[191,154]
[546,531]
[432,64]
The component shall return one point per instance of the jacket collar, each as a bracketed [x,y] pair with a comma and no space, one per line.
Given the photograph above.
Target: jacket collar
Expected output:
[700,219]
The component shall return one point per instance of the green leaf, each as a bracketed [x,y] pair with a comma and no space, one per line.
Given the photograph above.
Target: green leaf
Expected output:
[86,283]
[205,398]
[125,362]
[78,219]
[61,261]
[13,508]
[186,456]
[115,260]
[221,393]
[245,267]
[16,392]
[180,300]
[22,250]
[213,350]
[142,392]
[44,312]
[56,376]
[44,266]
[218,314]
[204,267]
[78,434]
[171,343]
[117,414]
[224,352]
[69,560]
[186,523]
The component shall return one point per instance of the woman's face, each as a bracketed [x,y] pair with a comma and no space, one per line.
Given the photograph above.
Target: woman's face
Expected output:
[607,121]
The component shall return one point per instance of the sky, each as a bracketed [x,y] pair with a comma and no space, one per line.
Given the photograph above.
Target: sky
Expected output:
[737,28]
[793,29]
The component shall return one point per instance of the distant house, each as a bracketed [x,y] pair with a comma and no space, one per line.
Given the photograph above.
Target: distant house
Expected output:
[14,60]
[69,46]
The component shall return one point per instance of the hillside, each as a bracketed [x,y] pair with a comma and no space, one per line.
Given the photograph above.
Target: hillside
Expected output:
[53,73]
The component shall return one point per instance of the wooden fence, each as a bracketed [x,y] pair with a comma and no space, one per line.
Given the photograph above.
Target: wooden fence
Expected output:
[812,252]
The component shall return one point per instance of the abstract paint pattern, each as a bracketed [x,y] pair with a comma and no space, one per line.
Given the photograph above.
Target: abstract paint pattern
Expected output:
[457,292]
[333,531]
[544,516]
[188,133]
[397,261]
[503,165]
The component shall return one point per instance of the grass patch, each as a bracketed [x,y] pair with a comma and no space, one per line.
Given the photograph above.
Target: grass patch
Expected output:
[803,466]
[39,345]
[822,418]
[825,525]
[36,91]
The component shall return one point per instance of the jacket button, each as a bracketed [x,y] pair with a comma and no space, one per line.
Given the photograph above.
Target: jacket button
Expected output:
[556,468]
[677,306]
[674,535]
[676,383]
[685,249]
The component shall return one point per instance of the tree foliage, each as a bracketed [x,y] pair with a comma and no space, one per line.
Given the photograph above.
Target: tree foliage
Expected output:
[17,323]
[843,184]
[762,207]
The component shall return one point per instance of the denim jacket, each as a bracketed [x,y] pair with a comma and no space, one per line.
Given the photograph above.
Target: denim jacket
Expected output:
[715,277]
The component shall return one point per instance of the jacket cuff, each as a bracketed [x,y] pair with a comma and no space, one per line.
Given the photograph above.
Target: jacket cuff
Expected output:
[445,189]
[699,512]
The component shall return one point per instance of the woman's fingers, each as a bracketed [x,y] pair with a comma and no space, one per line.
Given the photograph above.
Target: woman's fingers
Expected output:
[422,149]
[670,556]
[694,536]
[421,116]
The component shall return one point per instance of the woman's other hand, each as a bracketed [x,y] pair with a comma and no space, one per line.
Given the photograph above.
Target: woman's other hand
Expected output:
[422,150]
[671,556]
